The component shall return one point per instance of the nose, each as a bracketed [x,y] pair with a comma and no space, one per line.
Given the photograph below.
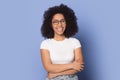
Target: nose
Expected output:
[59,23]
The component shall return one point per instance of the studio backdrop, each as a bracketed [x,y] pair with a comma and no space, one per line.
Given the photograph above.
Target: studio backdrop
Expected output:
[20,38]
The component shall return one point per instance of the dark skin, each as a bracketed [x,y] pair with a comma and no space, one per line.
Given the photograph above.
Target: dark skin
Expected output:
[61,69]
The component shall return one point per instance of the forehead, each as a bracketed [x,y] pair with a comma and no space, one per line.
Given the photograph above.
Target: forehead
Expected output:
[58,16]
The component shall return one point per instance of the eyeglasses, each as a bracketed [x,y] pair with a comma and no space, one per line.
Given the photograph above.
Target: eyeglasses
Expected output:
[56,22]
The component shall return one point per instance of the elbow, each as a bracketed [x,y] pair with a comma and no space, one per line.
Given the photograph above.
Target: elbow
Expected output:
[80,61]
[51,69]
[47,68]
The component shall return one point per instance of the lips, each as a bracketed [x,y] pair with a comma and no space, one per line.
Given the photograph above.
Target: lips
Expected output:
[60,29]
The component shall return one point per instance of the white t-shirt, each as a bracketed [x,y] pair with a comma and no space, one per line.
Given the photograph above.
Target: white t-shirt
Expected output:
[61,52]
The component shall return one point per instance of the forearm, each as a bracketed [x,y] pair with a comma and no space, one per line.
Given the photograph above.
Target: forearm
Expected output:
[57,68]
[66,72]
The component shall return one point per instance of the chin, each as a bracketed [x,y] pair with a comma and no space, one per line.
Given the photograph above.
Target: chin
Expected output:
[60,34]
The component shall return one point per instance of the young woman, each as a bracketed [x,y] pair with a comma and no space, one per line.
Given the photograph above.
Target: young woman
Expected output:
[61,53]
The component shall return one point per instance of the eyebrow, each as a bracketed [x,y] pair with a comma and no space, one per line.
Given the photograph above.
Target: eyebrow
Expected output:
[57,19]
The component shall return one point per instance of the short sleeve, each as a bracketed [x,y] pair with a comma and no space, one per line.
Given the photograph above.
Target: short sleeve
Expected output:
[77,43]
[44,45]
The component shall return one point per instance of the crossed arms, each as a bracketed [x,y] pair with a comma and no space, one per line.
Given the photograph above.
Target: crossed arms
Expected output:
[62,69]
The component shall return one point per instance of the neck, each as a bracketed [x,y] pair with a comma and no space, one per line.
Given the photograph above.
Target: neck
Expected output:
[59,38]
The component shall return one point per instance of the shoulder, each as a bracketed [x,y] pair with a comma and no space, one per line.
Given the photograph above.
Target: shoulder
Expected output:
[46,41]
[76,43]
[73,39]
[45,44]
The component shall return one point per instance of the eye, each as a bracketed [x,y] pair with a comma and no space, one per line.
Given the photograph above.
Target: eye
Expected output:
[63,21]
[55,22]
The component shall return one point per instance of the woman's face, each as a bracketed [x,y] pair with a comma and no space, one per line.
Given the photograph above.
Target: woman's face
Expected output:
[58,24]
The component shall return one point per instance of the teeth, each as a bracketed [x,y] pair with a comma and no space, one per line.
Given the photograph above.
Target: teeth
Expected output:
[59,29]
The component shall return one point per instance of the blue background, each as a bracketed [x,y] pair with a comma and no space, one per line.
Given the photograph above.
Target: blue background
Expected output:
[20,38]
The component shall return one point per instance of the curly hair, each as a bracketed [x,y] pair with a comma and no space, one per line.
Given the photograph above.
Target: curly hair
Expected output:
[71,21]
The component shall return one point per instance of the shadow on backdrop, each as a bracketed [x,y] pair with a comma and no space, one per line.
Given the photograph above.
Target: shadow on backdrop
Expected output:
[88,48]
